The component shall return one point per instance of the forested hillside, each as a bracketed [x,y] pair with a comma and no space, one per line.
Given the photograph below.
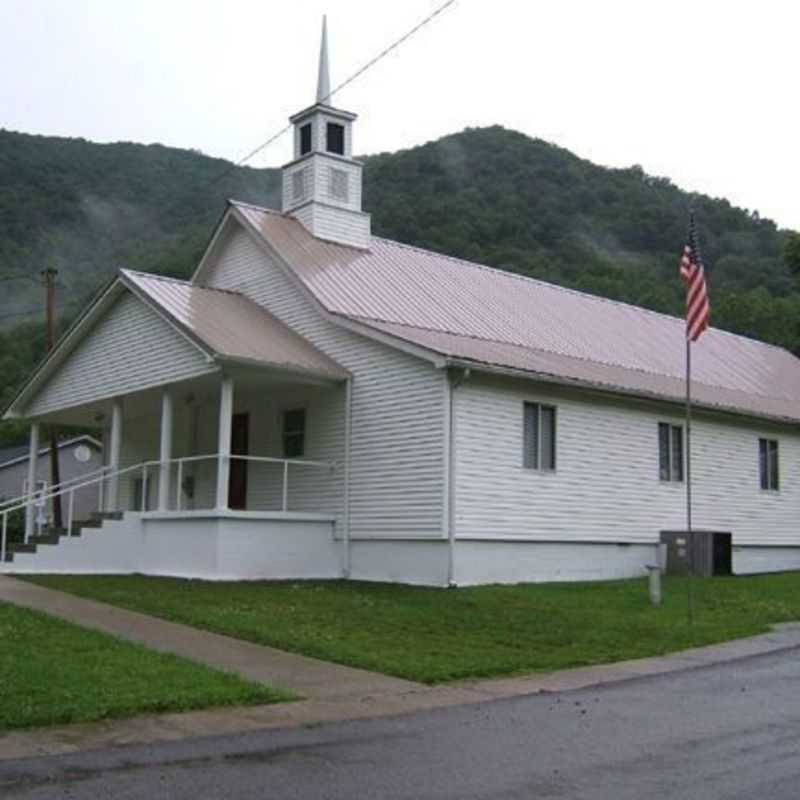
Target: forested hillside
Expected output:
[490,194]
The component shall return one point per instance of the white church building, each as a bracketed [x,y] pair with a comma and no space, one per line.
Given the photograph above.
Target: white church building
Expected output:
[318,402]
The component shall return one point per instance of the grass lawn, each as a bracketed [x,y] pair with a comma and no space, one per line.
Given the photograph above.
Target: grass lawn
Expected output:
[53,672]
[436,635]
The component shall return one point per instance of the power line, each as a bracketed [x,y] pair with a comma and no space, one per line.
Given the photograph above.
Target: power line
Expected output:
[357,74]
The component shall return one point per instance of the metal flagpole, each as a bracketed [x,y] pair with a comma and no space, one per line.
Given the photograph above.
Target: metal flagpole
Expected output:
[689,534]
[697,315]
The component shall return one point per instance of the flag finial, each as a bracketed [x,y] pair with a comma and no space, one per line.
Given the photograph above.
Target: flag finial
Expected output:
[323,79]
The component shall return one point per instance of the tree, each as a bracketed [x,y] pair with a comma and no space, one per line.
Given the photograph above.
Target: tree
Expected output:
[791,252]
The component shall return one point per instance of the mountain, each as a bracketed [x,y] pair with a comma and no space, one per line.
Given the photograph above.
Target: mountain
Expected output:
[521,204]
[88,209]
[491,195]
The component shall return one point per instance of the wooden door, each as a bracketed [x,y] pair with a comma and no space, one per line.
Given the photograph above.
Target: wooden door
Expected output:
[240,446]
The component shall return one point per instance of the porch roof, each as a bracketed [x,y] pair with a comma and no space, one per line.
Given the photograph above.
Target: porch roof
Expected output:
[233,327]
[224,327]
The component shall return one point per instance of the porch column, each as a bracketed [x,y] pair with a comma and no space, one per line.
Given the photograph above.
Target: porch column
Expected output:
[224,442]
[30,511]
[164,472]
[115,451]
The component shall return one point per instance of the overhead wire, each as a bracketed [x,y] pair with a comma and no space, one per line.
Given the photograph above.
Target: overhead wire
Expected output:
[357,74]
[275,136]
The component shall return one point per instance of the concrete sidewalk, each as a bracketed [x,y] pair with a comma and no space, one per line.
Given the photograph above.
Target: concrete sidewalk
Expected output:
[307,677]
[334,692]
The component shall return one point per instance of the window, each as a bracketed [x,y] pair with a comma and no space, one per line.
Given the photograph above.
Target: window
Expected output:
[768,464]
[539,434]
[335,139]
[294,433]
[338,185]
[298,185]
[670,452]
[305,139]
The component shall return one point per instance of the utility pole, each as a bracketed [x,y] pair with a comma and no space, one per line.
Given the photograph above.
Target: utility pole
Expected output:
[49,280]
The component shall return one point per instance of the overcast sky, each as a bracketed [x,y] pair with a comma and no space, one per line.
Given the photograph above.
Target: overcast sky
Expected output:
[703,92]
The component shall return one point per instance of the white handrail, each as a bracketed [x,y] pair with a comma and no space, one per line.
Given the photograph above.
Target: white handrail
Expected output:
[65,484]
[41,497]
[300,462]
[100,476]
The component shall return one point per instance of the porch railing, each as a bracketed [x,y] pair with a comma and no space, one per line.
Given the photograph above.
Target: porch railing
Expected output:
[149,471]
[30,503]
[65,484]
[39,499]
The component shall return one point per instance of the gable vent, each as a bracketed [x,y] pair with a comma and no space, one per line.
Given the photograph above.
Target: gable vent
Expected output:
[339,188]
[298,185]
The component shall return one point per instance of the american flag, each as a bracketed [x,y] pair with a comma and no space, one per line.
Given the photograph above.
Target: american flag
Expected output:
[698,309]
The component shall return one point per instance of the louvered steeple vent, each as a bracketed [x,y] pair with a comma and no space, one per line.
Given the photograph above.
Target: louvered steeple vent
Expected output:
[322,184]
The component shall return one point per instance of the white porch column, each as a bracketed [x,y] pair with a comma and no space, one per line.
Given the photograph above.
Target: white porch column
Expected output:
[33,454]
[224,442]
[115,451]
[164,472]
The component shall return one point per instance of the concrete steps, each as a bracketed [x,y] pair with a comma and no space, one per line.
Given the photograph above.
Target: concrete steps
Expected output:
[50,536]
[106,543]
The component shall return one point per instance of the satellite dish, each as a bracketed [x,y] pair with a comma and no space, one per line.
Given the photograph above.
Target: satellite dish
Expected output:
[82,453]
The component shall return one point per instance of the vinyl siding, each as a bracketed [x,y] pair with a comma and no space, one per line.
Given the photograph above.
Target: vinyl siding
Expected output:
[316,171]
[397,446]
[340,225]
[130,348]
[140,442]
[606,484]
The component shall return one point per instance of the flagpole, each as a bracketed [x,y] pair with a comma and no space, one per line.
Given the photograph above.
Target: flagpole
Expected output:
[689,597]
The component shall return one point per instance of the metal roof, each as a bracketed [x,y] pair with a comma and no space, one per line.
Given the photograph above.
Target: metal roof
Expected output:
[476,313]
[233,326]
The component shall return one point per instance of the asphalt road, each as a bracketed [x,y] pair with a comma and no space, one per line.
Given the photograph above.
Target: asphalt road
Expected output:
[731,731]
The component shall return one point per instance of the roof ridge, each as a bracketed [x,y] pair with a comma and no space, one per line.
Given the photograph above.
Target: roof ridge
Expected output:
[266,210]
[182,282]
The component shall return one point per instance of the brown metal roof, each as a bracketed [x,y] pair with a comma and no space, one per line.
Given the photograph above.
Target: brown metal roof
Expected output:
[487,316]
[232,326]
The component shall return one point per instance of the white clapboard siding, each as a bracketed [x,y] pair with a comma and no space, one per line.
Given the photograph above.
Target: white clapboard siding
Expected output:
[340,225]
[397,458]
[130,348]
[140,443]
[606,485]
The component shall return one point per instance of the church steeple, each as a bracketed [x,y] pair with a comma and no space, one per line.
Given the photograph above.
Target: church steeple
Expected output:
[322,184]
[323,79]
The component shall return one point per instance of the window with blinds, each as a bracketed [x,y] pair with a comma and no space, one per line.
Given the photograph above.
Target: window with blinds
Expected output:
[294,433]
[539,437]
[670,452]
[768,464]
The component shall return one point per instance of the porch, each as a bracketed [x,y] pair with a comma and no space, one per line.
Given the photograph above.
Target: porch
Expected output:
[237,474]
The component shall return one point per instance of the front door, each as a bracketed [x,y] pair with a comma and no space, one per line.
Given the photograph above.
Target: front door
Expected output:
[237,486]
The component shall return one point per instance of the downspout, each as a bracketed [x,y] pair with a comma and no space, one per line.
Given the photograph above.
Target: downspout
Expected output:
[454,381]
[348,406]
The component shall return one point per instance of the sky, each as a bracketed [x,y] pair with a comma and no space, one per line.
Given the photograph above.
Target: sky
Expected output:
[702,92]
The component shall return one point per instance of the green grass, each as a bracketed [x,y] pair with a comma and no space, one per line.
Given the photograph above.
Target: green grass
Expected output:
[435,635]
[53,672]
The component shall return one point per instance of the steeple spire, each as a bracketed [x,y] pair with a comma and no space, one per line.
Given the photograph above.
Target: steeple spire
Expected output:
[321,185]
[324,80]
